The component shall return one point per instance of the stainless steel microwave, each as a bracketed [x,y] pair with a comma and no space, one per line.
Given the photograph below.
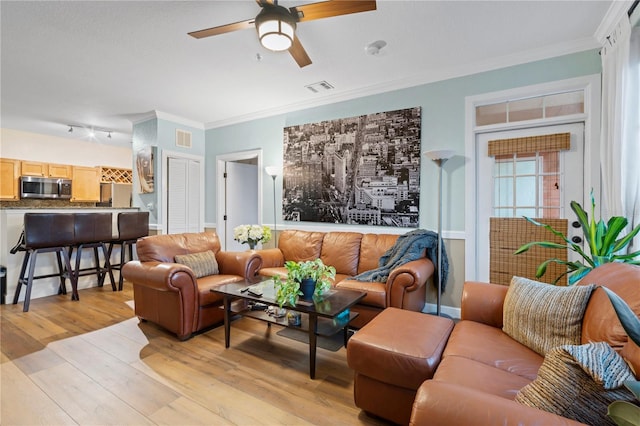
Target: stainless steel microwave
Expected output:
[41,187]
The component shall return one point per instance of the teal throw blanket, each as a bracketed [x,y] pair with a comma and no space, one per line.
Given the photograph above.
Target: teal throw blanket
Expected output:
[408,247]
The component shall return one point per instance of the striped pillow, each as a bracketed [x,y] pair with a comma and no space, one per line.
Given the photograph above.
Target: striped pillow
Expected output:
[579,382]
[543,316]
[202,264]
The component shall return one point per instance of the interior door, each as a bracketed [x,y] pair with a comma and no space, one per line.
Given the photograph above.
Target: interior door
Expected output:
[527,184]
[241,200]
[183,195]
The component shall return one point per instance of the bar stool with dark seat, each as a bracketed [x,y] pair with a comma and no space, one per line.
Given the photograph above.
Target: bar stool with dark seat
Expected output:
[131,226]
[46,233]
[93,230]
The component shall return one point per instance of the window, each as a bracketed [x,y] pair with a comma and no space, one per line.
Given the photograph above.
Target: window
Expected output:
[527,184]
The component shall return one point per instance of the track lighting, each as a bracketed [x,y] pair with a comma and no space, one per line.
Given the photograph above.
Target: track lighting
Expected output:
[91,131]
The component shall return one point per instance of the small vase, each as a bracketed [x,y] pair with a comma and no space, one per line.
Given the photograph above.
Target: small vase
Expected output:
[307,287]
[252,245]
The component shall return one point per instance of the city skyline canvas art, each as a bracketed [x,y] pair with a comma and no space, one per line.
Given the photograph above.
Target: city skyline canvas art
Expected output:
[358,170]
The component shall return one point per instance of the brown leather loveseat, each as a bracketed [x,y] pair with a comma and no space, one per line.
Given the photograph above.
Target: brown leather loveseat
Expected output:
[352,253]
[170,294]
[426,370]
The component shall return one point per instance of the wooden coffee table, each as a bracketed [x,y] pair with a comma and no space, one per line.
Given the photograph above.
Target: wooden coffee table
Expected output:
[324,316]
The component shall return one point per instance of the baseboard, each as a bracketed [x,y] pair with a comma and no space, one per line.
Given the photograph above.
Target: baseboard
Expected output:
[447,310]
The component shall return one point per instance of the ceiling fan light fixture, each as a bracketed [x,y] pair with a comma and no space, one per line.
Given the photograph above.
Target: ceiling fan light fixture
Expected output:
[276,28]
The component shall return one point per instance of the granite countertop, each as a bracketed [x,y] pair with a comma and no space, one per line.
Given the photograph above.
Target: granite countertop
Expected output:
[54,204]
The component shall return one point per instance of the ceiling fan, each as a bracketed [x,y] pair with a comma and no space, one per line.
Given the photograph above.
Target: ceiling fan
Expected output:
[276,24]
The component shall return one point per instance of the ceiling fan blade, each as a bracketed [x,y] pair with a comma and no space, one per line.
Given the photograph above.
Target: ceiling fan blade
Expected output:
[222,29]
[327,9]
[262,2]
[299,54]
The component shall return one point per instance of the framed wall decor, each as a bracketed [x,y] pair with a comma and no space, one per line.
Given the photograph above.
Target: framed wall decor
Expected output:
[358,170]
[144,168]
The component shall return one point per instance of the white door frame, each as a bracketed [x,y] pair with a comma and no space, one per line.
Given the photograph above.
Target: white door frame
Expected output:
[591,118]
[220,182]
[165,185]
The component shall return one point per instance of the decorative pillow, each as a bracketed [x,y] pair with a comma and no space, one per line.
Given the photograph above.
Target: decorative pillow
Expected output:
[542,316]
[579,382]
[202,264]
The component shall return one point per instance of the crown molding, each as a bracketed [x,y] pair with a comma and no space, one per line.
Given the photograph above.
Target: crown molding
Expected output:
[519,58]
[616,11]
[168,117]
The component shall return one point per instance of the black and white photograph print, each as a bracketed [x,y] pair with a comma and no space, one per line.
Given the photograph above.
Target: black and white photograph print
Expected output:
[358,170]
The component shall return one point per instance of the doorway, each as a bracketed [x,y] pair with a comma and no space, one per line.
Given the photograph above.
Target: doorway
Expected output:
[239,200]
[534,172]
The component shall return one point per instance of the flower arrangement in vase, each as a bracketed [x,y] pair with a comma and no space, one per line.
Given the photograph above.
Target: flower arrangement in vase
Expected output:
[251,234]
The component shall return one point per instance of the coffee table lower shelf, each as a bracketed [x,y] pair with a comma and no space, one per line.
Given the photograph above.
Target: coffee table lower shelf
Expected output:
[313,324]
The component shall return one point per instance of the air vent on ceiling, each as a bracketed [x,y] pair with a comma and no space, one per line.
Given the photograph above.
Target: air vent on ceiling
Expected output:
[321,86]
[183,138]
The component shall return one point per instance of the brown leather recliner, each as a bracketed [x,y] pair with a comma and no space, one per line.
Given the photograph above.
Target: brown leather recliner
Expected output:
[169,294]
[352,253]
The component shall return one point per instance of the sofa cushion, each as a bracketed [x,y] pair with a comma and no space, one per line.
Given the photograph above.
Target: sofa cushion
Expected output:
[542,316]
[490,346]
[164,248]
[205,284]
[202,264]
[601,323]
[342,251]
[300,245]
[481,377]
[372,247]
[579,382]
[376,292]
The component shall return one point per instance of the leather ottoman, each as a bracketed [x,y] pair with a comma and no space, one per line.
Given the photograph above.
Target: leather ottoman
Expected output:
[392,355]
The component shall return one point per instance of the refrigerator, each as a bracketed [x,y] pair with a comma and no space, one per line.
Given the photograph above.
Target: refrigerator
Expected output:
[115,195]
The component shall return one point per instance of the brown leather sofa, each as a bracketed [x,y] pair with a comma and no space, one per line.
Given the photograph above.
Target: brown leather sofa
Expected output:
[169,294]
[352,253]
[472,375]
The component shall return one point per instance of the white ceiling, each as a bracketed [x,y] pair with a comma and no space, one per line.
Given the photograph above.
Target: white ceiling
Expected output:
[106,63]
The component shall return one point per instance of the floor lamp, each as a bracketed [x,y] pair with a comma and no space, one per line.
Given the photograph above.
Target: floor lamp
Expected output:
[439,156]
[274,171]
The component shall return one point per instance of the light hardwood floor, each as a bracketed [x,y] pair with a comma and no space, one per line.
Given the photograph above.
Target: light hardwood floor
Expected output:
[92,362]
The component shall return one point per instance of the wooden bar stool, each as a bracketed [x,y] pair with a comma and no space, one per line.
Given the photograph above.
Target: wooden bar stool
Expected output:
[131,226]
[92,230]
[46,233]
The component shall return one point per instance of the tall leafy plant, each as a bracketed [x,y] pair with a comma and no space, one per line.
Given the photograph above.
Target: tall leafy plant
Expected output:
[624,413]
[601,238]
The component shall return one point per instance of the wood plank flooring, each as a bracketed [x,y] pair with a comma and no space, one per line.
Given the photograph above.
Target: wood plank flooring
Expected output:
[93,362]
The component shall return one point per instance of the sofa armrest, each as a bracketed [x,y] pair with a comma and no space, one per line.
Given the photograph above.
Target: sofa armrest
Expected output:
[271,258]
[160,276]
[165,293]
[443,403]
[243,263]
[410,277]
[483,302]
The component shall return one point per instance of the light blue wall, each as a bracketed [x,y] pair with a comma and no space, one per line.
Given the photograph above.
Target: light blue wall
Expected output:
[160,133]
[443,126]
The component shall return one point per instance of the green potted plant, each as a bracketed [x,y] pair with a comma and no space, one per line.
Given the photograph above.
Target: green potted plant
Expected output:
[624,413]
[600,237]
[287,291]
[303,279]
[313,275]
